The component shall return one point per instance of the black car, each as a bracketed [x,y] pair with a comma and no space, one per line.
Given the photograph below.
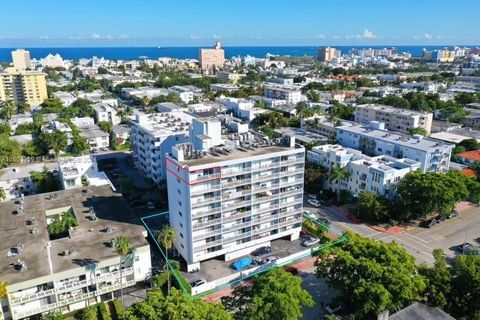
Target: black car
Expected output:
[261,251]
[429,223]
[453,214]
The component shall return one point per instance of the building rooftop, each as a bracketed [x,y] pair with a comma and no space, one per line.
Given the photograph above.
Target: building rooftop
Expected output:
[473,155]
[302,135]
[420,311]
[91,131]
[389,109]
[90,241]
[164,123]
[23,171]
[414,142]
[235,146]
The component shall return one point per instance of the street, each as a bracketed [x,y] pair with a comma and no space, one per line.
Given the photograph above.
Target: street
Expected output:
[419,242]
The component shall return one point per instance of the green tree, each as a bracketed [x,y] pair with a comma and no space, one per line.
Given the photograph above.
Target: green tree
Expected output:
[314,175]
[52,105]
[276,294]
[3,194]
[10,151]
[371,276]
[23,107]
[418,130]
[53,315]
[313,96]
[105,126]
[167,237]
[337,174]
[56,141]
[3,289]
[465,296]
[372,208]
[175,306]
[79,145]
[122,248]
[44,181]
[438,277]
[8,110]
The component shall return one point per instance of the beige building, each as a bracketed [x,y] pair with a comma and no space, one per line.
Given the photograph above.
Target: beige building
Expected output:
[21,59]
[211,59]
[445,55]
[395,119]
[23,86]
[327,54]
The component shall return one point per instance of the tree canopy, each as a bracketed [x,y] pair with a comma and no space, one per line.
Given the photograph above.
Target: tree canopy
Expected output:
[371,276]
[276,294]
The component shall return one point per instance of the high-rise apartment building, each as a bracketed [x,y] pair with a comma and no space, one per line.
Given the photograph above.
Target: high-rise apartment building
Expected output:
[228,200]
[395,119]
[23,86]
[327,54]
[21,59]
[212,59]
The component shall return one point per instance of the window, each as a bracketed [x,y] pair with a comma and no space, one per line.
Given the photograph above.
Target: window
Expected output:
[181,234]
[181,225]
[181,245]
[179,203]
[179,192]
[180,213]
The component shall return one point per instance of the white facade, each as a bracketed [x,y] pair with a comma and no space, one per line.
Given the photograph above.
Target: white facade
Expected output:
[153,136]
[67,98]
[379,174]
[289,93]
[243,109]
[105,112]
[75,169]
[395,119]
[433,155]
[227,203]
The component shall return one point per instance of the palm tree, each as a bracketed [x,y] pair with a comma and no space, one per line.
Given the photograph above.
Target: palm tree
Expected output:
[167,237]
[338,173]
[122,248]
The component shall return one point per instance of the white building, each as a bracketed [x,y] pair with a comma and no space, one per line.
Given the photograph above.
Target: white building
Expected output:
[19,119]
[65,272]
[227,201]
[185,94]
[67,98]
[395,119]
[380,174]
[372,140]
[153,136]
[290,93]
[16,181]
[75,172]
[243,108]
[95,137]
[105,112]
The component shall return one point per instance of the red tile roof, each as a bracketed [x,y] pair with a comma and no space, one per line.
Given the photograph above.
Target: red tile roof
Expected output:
[469,172]
[471,155]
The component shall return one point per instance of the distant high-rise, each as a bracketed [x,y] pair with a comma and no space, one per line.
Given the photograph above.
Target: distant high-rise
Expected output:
[327,54]
[21,59]
[211,59]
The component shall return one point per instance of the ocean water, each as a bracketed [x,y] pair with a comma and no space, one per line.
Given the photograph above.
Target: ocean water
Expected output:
[128,53]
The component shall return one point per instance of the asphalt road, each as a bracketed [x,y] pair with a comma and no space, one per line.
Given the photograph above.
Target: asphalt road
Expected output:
[420,242]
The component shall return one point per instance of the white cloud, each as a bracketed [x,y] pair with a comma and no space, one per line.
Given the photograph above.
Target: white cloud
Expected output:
[123,37]
[192,37]
[427,36]
[216,37]
[320,36]
[367,34]
[96,36]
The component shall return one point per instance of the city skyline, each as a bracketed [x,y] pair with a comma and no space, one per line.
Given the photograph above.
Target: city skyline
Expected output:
[187,23]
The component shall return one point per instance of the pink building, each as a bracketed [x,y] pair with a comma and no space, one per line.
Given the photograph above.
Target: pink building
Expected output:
[212,58]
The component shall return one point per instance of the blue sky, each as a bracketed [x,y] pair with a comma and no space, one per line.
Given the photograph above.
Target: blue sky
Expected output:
[47,23]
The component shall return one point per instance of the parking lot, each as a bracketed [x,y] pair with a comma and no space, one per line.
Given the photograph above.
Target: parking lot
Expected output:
[418,241]
[216,268]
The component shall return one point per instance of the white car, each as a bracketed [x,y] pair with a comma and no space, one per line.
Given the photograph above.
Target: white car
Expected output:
[309,214]
[314,203]
[310,241]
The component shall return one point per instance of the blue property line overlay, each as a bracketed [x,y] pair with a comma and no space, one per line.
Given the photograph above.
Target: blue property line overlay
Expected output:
[343,238]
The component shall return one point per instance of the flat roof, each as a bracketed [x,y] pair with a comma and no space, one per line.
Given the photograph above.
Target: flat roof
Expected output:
[91,131]
[23,170]
[89,238]
[301,134]
[396,138]
[385,108]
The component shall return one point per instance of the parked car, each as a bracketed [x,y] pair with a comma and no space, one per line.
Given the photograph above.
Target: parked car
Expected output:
[464,246]
[314,203]
[198,282]
[271,259]
[429,223]
[469,249]
[309,214]
[261,251]
[258,261]
[242,263]
[453,214]
[310,241]
[325,221]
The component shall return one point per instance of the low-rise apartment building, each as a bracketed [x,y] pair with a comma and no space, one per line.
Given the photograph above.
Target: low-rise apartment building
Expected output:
[105,112]
[290,93]
[153,136]
[75,172]
[374,140]
[228,200]
[380,174]
[78,267]
[395,119]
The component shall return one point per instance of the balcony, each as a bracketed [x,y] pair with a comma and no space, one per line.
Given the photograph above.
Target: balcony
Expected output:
[207,234]
[114,274]
[266,177]
[293,161]
[290,203]
[230,173]
[194,178]
[265,199]
[207,245]
[270,217]
[237,226]
[198,225]
[34,296]
[206,213]
[233,195]
[237,216]
[237,237]
[291,192]
[266,166]
[290,213]
[272,186]
[291,172]
[209,188]
[238,204]
[266,209]
[268,229]
[235,183]
[199,202]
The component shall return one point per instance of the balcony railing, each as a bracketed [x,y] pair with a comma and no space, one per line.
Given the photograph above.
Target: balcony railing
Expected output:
[237,226]
[34,296]
[237,216]
[207,234]
[266,177]
[198,225]
[238,204]
[206,213]
[233,195]
[265,198]
[272,186]
[212,176]
[207,245]
[266,166]
[235,183]
[230,173]
[199,202]
[209,188]
[237,237]
[293,161]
